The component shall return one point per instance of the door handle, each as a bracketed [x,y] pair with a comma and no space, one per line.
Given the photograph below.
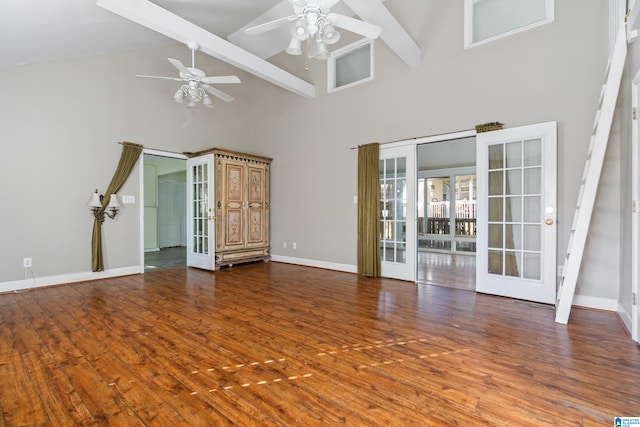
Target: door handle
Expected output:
[549,221]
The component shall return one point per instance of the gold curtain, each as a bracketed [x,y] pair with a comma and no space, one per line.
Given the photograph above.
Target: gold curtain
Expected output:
[128,158]
[499,184]
[369,210]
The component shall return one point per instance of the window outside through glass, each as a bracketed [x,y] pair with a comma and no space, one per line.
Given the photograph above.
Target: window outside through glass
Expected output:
[200,238]
[393,210]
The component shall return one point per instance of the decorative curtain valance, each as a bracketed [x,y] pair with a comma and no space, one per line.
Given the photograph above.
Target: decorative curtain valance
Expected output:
[130,154]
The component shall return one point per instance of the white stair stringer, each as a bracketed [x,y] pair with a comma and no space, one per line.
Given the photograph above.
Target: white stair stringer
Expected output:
[591,177]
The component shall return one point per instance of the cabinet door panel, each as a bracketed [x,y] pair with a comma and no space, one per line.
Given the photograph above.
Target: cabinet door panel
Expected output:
[234,227]
[256,212]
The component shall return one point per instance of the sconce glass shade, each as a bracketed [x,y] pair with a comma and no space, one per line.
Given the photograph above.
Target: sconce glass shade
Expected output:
[294,47]
[206,101]
[113,202]
[300,31]
[95,200]
[330,35]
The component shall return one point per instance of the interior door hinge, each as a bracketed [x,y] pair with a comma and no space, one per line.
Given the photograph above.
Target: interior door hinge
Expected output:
[634,113]
[634,298]
[634,206]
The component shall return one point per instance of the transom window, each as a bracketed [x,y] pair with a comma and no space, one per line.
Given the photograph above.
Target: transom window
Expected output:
[487,20]
[351,65]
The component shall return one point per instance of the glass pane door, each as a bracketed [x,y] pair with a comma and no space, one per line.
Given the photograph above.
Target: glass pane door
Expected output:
[397,212]
[200,225]
[516,212]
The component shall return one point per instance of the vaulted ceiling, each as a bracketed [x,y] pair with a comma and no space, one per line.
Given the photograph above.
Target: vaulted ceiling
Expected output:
[42,30]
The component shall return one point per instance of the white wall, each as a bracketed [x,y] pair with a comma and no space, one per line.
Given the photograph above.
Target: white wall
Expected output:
[552,72]
[61,122]
[63,119]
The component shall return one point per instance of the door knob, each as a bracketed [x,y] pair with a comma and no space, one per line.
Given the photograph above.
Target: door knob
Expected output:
[549,221]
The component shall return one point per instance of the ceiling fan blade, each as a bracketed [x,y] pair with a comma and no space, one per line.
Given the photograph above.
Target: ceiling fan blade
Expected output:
[218,93]
[268,26]
[220,79]
[154,17]
[355,25]
[160,77]
[180,66]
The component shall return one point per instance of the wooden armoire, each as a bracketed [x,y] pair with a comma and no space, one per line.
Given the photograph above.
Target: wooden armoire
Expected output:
[240,207]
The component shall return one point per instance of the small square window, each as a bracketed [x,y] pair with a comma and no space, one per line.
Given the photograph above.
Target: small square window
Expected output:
[487,20]
[350,65]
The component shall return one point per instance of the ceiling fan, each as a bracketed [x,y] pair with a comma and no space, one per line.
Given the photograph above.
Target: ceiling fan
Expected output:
[197,82]
[315,23]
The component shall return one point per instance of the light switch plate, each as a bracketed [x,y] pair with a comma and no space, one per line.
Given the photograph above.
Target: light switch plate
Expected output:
[129,200]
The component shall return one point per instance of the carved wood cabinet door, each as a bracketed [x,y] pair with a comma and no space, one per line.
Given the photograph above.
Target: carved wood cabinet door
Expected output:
[257,211]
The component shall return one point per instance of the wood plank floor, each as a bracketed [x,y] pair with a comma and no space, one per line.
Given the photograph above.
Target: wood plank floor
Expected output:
[456,271]
[272,344]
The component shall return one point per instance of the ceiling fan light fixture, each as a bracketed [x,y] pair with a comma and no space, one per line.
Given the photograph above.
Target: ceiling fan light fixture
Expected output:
[320,51]
[191,104]
[294,47]
[179,96]
[206,101]
[300,31]
[329,34]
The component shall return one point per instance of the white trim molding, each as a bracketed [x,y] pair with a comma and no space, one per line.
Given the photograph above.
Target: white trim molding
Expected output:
[586,301]
[62,279]
[347,268]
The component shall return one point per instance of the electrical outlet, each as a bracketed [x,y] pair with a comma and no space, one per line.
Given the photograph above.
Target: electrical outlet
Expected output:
[284,245]
[26,262]
[294,245]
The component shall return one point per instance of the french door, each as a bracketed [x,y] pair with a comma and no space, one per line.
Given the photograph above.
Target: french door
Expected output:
[516,226]
[635,216]
[200,212]
[398,212]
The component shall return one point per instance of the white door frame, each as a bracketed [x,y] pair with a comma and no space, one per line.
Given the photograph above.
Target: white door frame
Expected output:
[635,215]
[141,191]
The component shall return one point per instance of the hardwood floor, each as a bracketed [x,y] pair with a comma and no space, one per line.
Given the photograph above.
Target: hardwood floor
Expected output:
[272,344]
[451,270]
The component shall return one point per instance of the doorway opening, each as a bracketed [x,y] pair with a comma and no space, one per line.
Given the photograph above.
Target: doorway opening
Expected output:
[446,213]
[164,217]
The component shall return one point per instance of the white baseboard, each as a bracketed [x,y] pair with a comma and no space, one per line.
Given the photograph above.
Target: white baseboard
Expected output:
[607,304]
[625,316]
[348,268]
[39,282]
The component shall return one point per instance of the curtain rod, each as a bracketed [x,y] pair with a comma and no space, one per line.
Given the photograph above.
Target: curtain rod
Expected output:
[420,137]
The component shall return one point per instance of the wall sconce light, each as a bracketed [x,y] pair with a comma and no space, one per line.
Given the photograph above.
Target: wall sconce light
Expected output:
[96,205]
